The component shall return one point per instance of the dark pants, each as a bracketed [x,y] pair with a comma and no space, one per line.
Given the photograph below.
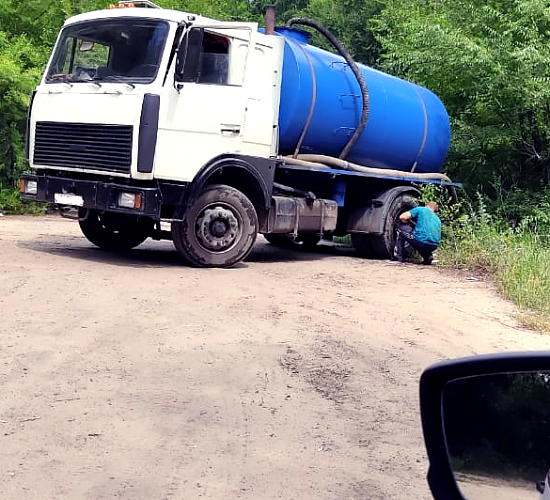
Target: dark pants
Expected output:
[404,235]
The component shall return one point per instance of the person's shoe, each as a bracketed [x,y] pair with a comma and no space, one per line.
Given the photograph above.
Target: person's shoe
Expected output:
[428,260]
[395,255]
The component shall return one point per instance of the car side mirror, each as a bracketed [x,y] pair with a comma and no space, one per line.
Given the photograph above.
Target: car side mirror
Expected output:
[486,423]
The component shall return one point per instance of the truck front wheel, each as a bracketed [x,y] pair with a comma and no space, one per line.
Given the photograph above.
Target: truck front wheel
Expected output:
[115,232]
[218,230]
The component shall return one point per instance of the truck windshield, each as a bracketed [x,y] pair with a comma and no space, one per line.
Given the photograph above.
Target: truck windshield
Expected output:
[126,50]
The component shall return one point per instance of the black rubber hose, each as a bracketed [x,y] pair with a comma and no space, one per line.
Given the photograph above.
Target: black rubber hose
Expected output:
[297,192]
[353,65]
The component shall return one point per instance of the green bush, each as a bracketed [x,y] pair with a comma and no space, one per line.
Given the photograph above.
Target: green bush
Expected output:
[516,254]
[11,203]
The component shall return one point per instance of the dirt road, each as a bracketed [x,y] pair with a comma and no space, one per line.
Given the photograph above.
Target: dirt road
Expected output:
[292,376]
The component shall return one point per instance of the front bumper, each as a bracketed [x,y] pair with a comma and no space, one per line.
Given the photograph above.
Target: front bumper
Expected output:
[92,194]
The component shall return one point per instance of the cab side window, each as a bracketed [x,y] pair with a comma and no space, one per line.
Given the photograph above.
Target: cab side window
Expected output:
[214,60]
[207,58]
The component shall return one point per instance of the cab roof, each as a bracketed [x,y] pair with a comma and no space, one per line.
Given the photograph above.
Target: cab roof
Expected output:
[142,13]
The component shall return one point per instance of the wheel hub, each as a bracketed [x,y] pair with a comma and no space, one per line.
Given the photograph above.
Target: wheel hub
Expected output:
[217,228]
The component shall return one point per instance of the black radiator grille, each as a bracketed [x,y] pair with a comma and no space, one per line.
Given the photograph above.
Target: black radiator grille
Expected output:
[80,145]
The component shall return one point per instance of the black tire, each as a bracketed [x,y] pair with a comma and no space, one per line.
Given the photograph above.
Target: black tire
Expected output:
[218,230]
[383,244]
[112,231]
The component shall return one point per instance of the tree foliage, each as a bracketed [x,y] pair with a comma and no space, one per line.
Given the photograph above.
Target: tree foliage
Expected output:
[350,21]
[18,74]
[226,10]
[487,60]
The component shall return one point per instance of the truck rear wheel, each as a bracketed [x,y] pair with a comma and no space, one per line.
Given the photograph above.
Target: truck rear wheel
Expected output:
[115,232]
[219,228]
[362,244]
[383,244]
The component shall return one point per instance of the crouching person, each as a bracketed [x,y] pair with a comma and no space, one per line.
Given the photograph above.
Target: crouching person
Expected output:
[424,237]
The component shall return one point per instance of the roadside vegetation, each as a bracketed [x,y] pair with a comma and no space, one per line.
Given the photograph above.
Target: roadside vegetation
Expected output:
[11,204]
[487,60]
[507,240]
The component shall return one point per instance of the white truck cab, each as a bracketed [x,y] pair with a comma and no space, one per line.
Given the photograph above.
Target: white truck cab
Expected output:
[128,99]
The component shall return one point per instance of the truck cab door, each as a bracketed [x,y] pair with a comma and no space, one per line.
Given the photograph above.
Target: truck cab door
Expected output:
[203,114]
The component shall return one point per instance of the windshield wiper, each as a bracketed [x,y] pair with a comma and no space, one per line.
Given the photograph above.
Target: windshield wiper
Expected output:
[60,78]
[70,79]
[115,79]
[85,79]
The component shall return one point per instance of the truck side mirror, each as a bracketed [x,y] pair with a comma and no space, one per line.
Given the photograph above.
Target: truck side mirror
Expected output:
[486,423]
[189,51]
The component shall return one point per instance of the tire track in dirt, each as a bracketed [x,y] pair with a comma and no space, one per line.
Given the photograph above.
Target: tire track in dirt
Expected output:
[293,375]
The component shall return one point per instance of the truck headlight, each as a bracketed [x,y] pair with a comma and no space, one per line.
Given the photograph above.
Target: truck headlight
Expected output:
[129,200]
[28,187]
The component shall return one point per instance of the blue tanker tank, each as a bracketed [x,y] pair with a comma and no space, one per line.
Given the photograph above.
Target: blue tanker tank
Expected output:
[407,127]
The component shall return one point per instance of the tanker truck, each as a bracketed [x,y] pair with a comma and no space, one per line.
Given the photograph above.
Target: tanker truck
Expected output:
[155,123]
